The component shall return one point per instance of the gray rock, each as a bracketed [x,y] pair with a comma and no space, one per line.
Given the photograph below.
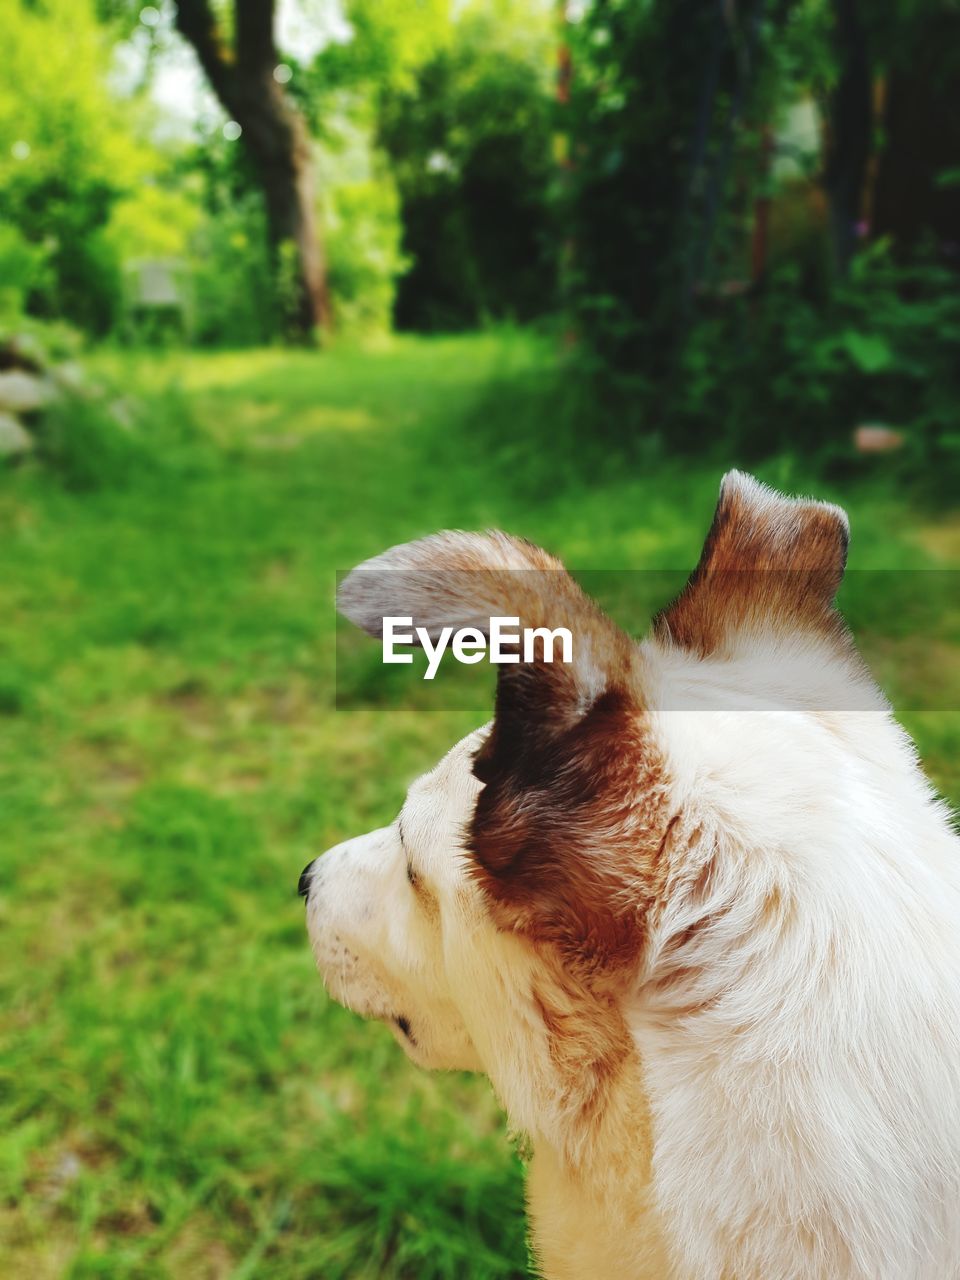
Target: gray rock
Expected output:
[22,392]
[25,349]
[13,439]
[70,376]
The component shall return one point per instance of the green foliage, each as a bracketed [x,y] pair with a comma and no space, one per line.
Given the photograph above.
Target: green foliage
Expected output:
[231,287]
[360,215]
[689,329]
[363,247]
[786,369]
[67,153]
[87,447]
[21,271]
[158,219]
[470,142]
[391,39]
[237,293]
[94,436]
[650,125]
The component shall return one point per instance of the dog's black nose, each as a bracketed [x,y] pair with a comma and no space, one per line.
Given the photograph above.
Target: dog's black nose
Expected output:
[303,885]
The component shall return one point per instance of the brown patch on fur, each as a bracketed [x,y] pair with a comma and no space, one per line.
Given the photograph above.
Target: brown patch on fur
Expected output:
[568,832]
[588,1042]
[568,841]
[769,564]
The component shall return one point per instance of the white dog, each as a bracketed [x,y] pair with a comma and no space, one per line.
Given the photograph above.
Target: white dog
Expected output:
[692,907]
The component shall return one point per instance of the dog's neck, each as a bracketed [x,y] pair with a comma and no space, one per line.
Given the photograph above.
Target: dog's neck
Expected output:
[590,1186]
[579,1096]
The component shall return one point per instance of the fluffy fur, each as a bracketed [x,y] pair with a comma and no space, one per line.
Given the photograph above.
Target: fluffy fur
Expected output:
[692,907]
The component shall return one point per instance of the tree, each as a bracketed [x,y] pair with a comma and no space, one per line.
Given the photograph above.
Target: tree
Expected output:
[469,141]
[850,133]
[69,152]
[241,73]
[660,148]
[917,192]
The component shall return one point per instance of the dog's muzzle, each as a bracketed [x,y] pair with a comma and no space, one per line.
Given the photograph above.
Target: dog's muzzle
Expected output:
[306,879]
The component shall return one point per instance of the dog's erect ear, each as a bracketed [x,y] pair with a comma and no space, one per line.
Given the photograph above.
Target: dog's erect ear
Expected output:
[770,566]
[462,580]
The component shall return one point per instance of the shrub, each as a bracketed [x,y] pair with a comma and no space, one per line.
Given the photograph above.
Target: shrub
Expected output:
[234,292]
[363,252]
[470,141]
[89,446]
[360,212]
[784,370]
[21,268]
[67,153]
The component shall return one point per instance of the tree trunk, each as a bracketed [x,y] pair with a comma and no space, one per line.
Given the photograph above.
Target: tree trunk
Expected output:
[276,139]
[921,126]
[850,133]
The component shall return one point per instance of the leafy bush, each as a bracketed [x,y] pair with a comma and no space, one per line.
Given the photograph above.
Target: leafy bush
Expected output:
[89,446]
[97,437]
[470,142]
[361,224]
[237,293]
[785,370]
[363,252]
[657,96]
[782,372]
[67,152]
[21,268]
[234,290]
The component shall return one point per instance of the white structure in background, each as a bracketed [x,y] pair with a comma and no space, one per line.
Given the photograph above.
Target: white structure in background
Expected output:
[157,295]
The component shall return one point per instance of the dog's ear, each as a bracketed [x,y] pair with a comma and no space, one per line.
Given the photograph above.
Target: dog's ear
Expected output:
[559,837]
[770,566]
[565,831]
[457,580]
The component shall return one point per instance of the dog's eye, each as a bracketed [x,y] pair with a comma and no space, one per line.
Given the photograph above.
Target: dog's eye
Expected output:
[412,876]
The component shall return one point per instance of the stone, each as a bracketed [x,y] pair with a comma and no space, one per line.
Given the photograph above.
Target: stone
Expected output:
[874,437]
[22,351]
[22,392]
[13,439]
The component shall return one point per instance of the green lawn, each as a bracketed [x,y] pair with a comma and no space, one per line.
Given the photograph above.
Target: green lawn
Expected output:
[177,1096]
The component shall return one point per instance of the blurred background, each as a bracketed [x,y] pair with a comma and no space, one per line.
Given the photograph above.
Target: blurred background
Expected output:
[283,282]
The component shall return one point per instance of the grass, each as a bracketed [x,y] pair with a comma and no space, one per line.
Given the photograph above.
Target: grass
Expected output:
[177,1096]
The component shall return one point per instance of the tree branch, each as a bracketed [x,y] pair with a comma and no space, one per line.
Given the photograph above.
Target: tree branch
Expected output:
[196,23]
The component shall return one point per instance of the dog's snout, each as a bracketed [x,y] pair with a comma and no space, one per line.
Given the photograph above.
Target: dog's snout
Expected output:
[306,877]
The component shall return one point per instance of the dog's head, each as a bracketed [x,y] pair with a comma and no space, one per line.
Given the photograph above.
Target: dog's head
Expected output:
[502,920]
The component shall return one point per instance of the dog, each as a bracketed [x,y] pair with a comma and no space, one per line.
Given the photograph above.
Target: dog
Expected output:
[690,904]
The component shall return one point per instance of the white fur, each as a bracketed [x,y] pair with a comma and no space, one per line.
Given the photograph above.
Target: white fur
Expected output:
[807,1123]
[798,1083]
